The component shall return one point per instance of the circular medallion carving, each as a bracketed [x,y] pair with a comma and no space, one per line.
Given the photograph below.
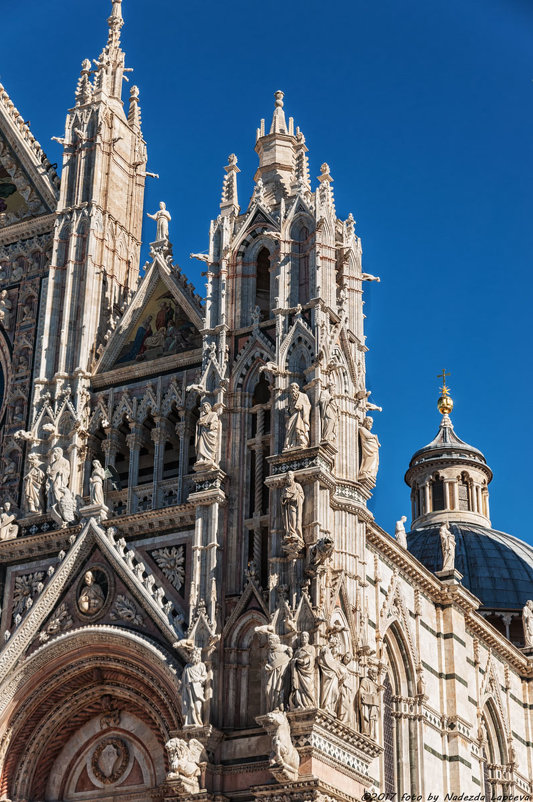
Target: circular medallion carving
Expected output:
[110,760]
[93,592]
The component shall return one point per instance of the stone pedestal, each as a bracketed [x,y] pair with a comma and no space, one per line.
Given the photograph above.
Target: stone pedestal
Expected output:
[450,576]
[98,511]
[331,751]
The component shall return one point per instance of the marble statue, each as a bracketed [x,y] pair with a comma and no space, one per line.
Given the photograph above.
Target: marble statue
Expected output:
[6,308]
[346,708]
[292,501]
[447,542]
[162,218]
[303,675]
[193,682]
[33,485]
[329,412]
[8,529]
[368,703]
[369,451]
[297,434]
[57,476]
[96,483]
[527,621]
[92,598]
[399,532]
[332,673]
[284,756]
[184,758]
[207,435]
[278,661]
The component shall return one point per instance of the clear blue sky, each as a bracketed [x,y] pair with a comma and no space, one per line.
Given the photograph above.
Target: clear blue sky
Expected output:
[424,112]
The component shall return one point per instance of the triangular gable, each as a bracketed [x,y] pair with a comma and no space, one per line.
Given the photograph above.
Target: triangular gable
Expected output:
[146,593]
[161,320]
[26,189]
[251,599]
[299,207]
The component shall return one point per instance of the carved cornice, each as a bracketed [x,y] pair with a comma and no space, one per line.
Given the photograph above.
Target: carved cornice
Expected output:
[132,373]
[25,229]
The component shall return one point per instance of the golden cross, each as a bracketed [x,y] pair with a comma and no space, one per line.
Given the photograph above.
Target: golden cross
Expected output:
[443,377]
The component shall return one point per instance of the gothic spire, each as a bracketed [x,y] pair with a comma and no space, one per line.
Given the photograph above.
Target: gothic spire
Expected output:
[110,72]
[229,203]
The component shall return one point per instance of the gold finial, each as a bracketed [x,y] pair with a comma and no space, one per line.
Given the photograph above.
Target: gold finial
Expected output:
[445,402]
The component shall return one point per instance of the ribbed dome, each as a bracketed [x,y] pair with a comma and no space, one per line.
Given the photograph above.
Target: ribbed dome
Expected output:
[496,567]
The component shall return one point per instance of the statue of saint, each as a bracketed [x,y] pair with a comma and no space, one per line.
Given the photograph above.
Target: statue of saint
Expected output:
[329,412]
[399,533]
[162,218]
[297,434]
[369,704]
[369,451]
[91,599]
[292,501]
[527,621]
[193,682]
[96,483]
[8,529]
[447,542]
[57,476]
[278,660]
[33,485]
[303,675]
[347,690]
[207,432]
[332,673]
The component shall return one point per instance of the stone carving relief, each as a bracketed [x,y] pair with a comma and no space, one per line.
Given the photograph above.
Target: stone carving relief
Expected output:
[60,622]
[6,310]
[110,760]
[297,432]
[184,759]
[171,560]
[92,596]
[284,758]
[125,609]
[25,589]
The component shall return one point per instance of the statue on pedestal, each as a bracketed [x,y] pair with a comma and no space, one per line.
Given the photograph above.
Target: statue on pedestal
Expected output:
[527,621]
[447,542]
[292,501]
[96,483]
[183,761]
[193,681]
[297,433]
[332,673]
[33,486]
[57,476]
[278,661]
[8,529]
[370,445]
[162,218]
[207,435]
[329,412]
[303,675]
[369,704]
[399,533]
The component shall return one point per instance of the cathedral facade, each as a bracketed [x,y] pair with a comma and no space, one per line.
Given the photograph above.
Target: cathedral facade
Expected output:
[197,602]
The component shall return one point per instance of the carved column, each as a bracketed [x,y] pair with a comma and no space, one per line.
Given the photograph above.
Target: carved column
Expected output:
[161,433]
[180,431]
[134,440]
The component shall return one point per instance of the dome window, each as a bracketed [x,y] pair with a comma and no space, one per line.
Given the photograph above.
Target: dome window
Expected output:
[437,494]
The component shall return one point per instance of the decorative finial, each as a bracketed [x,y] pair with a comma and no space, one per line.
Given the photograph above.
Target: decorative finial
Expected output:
[445,402]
